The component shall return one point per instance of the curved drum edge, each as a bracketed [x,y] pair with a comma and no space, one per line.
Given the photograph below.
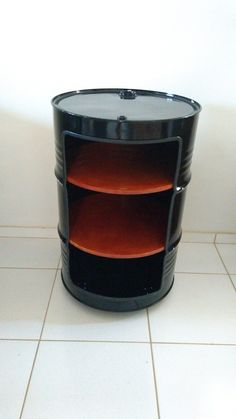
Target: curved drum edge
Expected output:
[117,304]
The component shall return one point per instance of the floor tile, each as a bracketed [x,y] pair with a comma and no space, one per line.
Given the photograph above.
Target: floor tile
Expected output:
[196,382]
[226,238]
[28,232]
[198,257]
[199,308]
[91,380]
[29,253]
[228,254]
[16,359]
[24,295]
[70,320]
[191,237]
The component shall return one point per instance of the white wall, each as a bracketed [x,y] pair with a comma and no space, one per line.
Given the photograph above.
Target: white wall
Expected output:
[184,47]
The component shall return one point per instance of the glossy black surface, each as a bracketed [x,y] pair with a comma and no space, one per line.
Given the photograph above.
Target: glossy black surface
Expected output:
[135,105]
[117,285]
[123,132]
[107,283]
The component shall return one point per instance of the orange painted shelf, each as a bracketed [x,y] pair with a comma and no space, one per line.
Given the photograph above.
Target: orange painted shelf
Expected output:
[120,169]
[118,226]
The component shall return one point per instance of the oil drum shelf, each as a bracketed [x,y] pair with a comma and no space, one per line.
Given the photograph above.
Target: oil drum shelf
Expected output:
[122,165]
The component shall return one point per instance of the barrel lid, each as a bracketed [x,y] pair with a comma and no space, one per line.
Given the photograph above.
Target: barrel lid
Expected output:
[126,104]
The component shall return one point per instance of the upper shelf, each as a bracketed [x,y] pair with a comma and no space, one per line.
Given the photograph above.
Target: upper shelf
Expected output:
[121,169]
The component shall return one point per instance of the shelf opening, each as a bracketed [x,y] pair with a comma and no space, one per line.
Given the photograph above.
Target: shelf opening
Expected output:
[120,168]
[118,226]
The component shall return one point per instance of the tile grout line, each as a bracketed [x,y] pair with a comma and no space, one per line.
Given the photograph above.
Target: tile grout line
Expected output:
[119,342]
[184,241]
[194,343]
[201,273]
[50,297]
[214,242]
[38,227]
[207,232]
[18,339]
[43,227]
[39,340]
[29,237]
[25,268]
[153,366]
[228,243]
[53,269]
[57,238]
[232,283]
[74,340]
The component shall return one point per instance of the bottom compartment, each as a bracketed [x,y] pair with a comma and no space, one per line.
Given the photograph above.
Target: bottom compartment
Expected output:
[117,284]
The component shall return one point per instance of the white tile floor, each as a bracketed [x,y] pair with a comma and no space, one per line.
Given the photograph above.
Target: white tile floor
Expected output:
[60,359]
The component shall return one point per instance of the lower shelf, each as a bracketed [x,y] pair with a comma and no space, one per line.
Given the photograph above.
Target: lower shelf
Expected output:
[116,226]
